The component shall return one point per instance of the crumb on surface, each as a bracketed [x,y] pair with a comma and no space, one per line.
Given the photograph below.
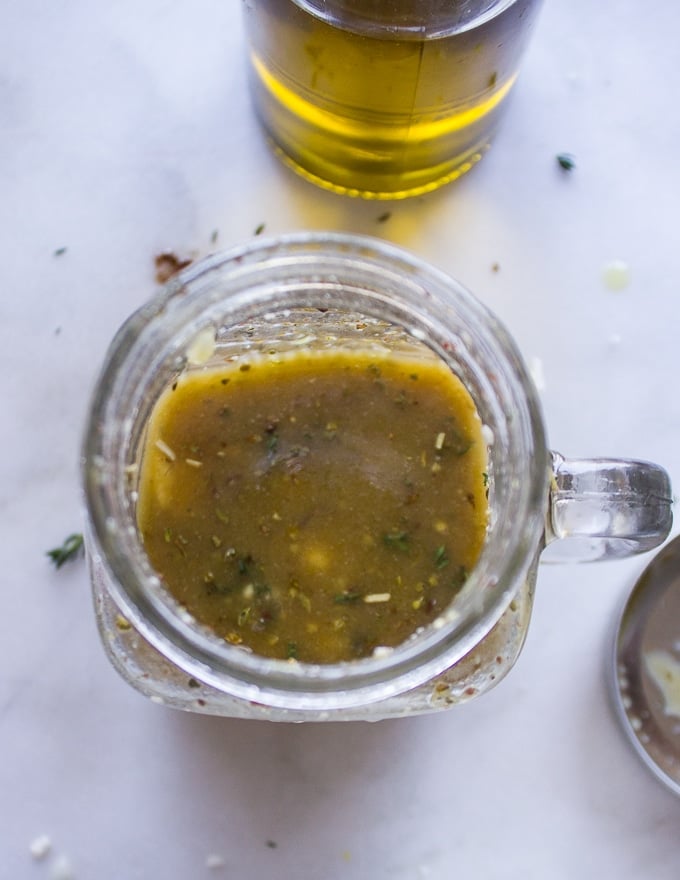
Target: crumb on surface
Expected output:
[616,275]
[168,264]
[214,861]
[40,846]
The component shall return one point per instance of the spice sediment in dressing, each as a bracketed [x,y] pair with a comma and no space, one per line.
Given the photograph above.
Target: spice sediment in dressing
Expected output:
[317,505]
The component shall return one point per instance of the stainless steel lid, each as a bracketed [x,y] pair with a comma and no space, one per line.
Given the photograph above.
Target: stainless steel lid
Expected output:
[646,670]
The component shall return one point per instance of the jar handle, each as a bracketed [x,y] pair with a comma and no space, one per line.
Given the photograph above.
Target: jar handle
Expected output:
[606,508]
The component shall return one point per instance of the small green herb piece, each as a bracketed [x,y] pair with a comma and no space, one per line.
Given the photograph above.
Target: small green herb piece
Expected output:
[383,218]
[244,563]
[60,251]
[566,161]
[212,588]
[485,478]
[213,237]
[347,598]
[441,559]
[292,650]
[397,540]
[457,443]
[70,549]
[259,229]
[272,442]
[459,577]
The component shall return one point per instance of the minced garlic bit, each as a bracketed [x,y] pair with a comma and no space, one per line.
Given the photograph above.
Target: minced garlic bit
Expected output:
[439,442]
[193,462]
[616,275]
[202,347]
[122,623]
[165,449]
[664,670]
[371,598]
[488,435]
[40,847]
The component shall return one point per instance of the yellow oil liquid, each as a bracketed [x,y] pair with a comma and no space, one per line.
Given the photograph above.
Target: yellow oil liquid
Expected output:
[383,99]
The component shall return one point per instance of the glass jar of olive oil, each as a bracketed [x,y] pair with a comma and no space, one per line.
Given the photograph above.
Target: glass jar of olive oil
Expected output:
[318,486]
[387,98]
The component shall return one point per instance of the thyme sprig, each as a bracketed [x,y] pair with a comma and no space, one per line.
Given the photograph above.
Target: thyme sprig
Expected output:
[70,549]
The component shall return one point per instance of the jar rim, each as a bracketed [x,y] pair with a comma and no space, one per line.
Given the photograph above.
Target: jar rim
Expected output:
[415,293]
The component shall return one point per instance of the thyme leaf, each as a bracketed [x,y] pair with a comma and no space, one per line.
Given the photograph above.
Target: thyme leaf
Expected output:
[347,597]
[441,559]
[70,549]
[397,541]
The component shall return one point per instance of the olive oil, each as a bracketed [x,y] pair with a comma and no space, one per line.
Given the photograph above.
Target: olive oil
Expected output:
[384,99]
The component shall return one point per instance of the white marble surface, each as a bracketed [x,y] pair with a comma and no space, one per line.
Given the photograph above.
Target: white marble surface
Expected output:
[125,130]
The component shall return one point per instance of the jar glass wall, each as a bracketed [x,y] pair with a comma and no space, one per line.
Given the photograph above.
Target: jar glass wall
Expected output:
[313,291]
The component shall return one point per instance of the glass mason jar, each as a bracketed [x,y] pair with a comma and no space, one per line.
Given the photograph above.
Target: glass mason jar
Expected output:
[311,291]
[384,98]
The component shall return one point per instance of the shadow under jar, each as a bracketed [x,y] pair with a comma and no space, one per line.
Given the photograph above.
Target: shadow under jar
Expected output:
[334,293]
